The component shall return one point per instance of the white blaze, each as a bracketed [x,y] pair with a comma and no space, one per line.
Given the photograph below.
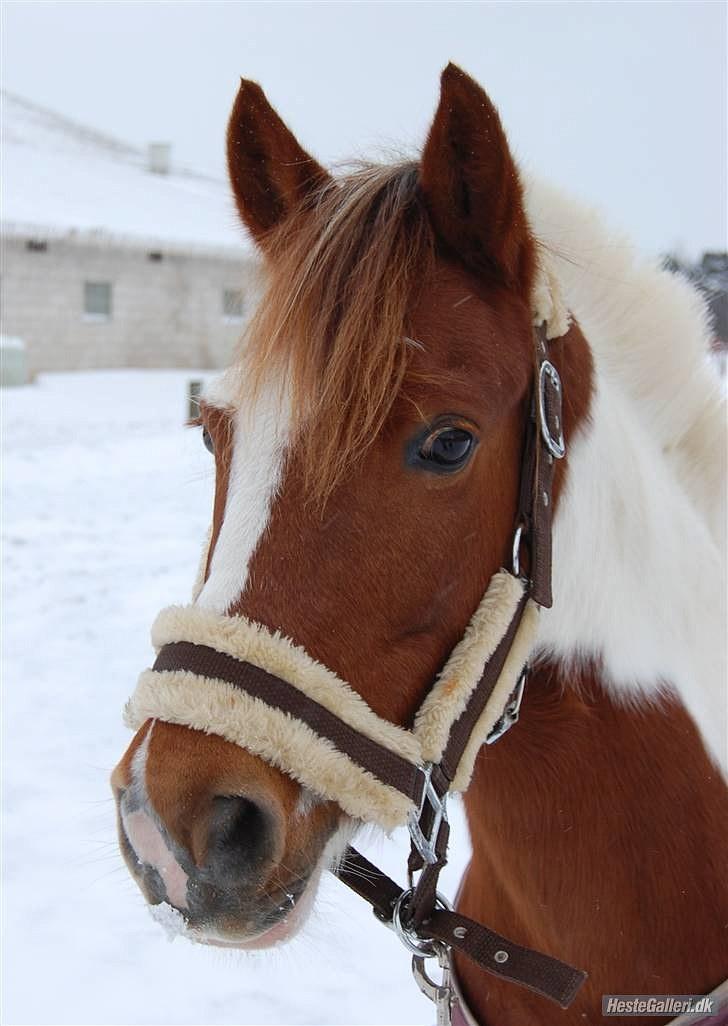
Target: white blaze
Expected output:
[261,431]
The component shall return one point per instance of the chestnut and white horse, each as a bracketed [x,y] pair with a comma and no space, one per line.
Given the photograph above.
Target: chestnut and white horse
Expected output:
[367,446]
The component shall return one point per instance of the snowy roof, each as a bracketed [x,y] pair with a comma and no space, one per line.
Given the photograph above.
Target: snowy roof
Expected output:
[60,177]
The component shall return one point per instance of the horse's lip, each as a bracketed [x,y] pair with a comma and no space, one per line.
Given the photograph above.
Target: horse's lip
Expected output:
[282,930]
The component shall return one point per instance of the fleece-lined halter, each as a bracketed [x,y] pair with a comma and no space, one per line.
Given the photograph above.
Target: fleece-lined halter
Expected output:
[235,678]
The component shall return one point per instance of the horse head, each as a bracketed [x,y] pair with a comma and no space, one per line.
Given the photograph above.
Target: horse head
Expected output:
[367,446]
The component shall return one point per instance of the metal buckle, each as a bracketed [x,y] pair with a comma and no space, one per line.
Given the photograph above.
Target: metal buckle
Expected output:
[425,843]
[510,714]
[419,947]
[556,446]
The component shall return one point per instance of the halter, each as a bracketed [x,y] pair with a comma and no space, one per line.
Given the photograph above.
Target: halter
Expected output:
[232,677]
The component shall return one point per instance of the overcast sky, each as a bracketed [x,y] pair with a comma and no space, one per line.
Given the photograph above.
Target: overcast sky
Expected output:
[623,103]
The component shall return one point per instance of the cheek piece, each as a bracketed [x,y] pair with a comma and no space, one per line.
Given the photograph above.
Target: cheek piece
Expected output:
[235,678]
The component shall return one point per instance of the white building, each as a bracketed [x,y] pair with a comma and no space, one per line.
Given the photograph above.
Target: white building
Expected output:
[111,256]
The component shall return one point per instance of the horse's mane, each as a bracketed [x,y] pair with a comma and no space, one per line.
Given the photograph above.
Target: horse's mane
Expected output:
[332,321]
[649,331]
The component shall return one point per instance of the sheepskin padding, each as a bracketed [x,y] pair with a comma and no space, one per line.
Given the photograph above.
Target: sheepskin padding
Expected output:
[216,707]
[547,300]
[458,678]
[516,659]
[271,651]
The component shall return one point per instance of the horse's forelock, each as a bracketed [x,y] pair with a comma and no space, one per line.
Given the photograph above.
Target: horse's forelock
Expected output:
[342,277]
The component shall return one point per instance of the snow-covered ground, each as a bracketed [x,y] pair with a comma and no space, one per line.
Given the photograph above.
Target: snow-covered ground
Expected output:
[106,503]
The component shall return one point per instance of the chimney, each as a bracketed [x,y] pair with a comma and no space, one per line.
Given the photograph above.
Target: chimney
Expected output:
[158,158]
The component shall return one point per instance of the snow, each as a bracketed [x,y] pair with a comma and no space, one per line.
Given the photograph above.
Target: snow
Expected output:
[107,498]
[60,177]
[171,920]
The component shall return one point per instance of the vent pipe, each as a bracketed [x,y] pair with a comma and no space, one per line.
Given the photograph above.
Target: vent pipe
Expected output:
[158,158]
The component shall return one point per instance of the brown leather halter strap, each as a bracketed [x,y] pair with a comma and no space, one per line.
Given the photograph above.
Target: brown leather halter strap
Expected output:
[543,444]
[381,762]
[541,973]
[418,914]
[423,918]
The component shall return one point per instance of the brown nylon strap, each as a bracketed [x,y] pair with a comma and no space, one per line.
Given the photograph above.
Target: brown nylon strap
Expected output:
[537,474]
[541,973]
[423,899]
[387,766]
[463,727]
[425,890]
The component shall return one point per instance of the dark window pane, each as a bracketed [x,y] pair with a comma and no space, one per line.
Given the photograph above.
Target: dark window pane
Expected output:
[232,304]
[97,298]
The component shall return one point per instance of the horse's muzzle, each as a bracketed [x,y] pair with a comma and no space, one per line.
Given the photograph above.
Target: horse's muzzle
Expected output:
[223,882]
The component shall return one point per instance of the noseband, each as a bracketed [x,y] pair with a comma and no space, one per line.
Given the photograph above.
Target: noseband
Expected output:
[234,678]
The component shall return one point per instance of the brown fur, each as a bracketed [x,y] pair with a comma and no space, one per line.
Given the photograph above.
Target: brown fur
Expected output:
[598,831]
[599,835]
[262,152]
[472,189]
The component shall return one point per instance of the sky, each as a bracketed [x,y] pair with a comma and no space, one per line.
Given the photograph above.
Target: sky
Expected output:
[623,104]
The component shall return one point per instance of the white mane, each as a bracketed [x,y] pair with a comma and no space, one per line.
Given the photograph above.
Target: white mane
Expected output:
[639,540]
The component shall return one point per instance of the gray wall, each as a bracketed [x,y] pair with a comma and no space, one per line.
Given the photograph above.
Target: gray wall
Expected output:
[164,314]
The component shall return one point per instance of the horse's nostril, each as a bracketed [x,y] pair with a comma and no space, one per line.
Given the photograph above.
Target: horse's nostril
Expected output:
[240,837]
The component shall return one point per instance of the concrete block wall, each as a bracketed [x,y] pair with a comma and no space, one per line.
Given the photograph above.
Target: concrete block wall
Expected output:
[165,313]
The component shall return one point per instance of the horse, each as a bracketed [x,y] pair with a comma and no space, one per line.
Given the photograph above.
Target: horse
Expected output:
[368,443]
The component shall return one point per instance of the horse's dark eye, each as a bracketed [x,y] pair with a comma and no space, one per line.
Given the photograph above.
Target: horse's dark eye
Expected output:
[207,440]
[448,449]
[444,448]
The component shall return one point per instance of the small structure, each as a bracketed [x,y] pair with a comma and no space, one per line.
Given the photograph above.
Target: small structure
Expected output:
[112,256]
[13,365]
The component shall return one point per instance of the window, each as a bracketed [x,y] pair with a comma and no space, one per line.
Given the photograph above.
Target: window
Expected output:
[97,300]
[232,304]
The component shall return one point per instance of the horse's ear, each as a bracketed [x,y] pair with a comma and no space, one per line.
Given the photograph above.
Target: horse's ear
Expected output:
[270,172]
[471,187]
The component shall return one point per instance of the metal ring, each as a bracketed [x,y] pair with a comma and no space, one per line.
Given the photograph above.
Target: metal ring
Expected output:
[421,948]
[516,553]
[555,445]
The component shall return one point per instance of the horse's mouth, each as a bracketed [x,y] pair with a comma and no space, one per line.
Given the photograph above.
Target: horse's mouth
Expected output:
[277,927]
[275,924]
[225,918]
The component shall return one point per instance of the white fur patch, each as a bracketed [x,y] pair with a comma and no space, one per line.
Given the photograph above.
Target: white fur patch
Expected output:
[259,446]
[137,792]
[150,847]
[637,575]
[639,535]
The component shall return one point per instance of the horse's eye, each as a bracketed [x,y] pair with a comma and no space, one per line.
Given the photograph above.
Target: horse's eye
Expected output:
[447,449]
[207,440]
